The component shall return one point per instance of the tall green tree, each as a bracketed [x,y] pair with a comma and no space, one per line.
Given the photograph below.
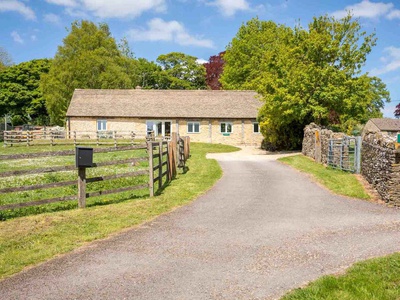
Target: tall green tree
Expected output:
[148,74]
[5,59]
[20,95]
[88,59]
[180,71]
[305,75]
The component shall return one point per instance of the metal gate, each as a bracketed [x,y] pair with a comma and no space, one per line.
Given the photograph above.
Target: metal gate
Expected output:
[345,154]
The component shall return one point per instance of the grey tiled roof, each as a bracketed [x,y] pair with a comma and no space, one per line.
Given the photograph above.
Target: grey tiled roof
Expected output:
[387,124]
[164,104]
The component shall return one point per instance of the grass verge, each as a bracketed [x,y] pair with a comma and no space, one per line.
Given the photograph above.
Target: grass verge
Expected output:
[339,182]
[377,279]
[29,240]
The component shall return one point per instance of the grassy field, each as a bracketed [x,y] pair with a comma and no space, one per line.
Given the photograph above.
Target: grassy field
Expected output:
[54,161]
[377,279]
[28,240]
[339,182]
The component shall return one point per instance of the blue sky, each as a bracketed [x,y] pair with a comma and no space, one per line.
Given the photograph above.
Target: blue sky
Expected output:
[34,28]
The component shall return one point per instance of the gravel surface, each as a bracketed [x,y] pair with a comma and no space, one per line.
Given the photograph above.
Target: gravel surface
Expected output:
[262,230]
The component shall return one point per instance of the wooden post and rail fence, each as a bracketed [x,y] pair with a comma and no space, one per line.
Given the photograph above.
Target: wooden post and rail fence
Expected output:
[163,158]
[54,137]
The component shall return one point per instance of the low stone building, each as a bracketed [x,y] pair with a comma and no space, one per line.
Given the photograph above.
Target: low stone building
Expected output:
[390,127]
[227,117]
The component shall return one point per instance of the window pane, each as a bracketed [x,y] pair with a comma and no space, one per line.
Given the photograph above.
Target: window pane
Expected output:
[159,129]
[222,127]
[197,127]
[149,126]
[101,125]
[256,128]
[168,128]
[228,127]
[190,127]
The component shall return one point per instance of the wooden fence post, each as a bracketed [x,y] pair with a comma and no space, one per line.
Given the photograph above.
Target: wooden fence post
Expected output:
[151,171]
[52,138]
[75,138]
[115,138]
[81,187]
[132,138]
[174,140]
[160,162]
[27,138]
[188,146]
[171,160]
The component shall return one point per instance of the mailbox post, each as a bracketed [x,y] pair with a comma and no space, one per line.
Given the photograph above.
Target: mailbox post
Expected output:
[83,160]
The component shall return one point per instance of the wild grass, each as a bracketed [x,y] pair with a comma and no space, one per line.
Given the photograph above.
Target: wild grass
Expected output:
[29,240]
[339,182]
[377,279]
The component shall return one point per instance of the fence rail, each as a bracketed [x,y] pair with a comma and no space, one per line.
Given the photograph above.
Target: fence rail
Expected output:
[161,155]
[59,137]
[158,151]
[79,196]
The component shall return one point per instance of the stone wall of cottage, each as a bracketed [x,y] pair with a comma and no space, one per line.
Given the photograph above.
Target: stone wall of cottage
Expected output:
[380,165]
[210,130]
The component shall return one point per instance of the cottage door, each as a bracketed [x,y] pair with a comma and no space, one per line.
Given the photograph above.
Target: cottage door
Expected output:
[167,129]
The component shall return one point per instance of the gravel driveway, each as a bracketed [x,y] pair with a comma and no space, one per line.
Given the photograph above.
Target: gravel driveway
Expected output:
[261,231]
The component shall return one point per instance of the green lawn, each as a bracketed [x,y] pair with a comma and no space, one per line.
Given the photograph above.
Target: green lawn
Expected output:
[377,279]
[339,182]
[28,240]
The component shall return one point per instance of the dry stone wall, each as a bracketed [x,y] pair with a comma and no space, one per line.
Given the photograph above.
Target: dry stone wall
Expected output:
[380,160]
[381,166]
[316,142]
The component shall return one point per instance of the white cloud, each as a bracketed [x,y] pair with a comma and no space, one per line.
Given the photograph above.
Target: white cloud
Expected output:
[201,61]
[365,9]
[112,9]
[391,62]
[394,14]
[16,37]
[173,31]
[17,6]
[230,7]
[63,2]
[52,18]
[76,13]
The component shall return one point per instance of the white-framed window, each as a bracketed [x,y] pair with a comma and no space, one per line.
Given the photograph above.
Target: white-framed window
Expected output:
[101,125]
[193,127]
[256,127]
[226,127]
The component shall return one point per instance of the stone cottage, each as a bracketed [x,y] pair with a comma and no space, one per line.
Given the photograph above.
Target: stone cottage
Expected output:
[227,117]
[390,127]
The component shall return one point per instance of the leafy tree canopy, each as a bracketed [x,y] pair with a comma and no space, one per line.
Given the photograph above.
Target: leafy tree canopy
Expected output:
[180,71]
[214,68]
[88,59]
[20,95]
[397,111]
[5,59]
[305,75]
[148,74]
